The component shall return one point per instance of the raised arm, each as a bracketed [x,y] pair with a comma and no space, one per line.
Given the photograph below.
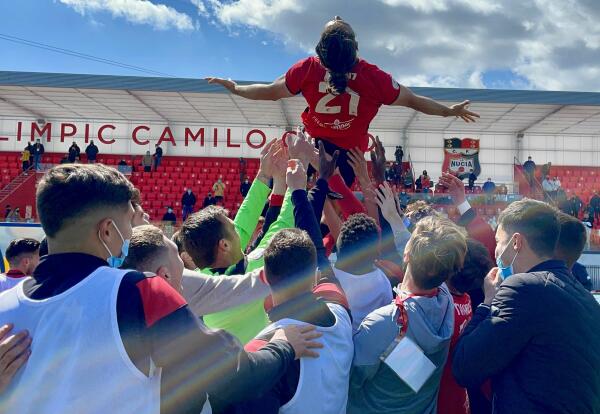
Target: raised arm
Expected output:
[256,91]
[430,107]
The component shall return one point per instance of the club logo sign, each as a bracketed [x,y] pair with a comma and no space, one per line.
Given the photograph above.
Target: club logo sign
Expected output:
[461,155]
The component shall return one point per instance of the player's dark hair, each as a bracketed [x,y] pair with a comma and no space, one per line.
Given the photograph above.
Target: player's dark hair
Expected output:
[201,233]
[337,51]
[20,247]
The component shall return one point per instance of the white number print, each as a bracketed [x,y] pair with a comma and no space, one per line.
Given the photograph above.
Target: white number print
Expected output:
[322,107]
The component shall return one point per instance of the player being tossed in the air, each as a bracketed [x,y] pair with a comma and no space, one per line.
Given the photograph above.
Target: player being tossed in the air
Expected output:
[344,93]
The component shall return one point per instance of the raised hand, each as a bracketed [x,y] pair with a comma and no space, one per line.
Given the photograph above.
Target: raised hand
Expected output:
[267,166]
[386,199]
[356,159]
[378,160]
[455,187]
[460,110]
[327,163]
[295,176]
[300,147]
[226,83]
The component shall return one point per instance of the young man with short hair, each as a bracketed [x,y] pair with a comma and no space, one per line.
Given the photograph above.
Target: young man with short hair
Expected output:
[420,321]
[23,256]
[571,243]
[125,325]
[366,286]
[533,334]
[304,290]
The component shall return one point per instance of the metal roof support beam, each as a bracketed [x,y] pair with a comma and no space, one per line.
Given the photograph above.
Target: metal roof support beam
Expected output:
[238,108]
[37,115]
[283,107]
[408,123]
[140,100]
[542,119]
[205,119]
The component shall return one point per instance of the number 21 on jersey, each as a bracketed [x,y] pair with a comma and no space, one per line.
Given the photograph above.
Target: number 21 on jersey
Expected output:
[322,107]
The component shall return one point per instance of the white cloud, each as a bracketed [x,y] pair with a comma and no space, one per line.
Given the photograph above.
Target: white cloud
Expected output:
[159,16]
[547,44]
[202,10]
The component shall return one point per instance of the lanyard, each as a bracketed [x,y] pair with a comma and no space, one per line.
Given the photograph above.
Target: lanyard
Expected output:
[402,319]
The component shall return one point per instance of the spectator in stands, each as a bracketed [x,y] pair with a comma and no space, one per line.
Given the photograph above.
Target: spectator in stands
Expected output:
[151,251]
[86,213]
[366,286]
[147,162]
[242,168]
[546,169]
[556,184]
[489,188]
[576,205]
[529,169]
[158,154]
[7,212]
[472,179]
[408,180]
[15,216]
[122,166]
[548,188]
[25,156]
[188,263]
[422,314]
[188,201]
[38,151]
[389,173]
[425,182]
[209,200]
[23,256]
[169,216]
[399,154]
[91,152]
[571,242]
[595,205]
[73,153]
[404,199]
[245,187]
[219,190]
[512,339]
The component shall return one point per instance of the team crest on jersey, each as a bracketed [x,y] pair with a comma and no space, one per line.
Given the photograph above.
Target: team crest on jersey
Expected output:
[339,125]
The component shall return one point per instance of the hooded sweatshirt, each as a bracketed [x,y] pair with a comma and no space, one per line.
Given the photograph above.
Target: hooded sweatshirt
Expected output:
[374,386]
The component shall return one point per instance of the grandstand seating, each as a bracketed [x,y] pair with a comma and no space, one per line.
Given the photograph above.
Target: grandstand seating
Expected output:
[164,187]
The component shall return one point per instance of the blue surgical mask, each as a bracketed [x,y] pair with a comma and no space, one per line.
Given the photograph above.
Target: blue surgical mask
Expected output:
[116,261]
[406,222]
[506,271]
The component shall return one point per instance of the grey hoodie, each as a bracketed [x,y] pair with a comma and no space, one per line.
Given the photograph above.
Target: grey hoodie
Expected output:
[374,387]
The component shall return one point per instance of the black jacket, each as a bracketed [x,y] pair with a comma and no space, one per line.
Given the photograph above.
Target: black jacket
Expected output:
[38,149]
[539,345]
[188,199]
[91,151]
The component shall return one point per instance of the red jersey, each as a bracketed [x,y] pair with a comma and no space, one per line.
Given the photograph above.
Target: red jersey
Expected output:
[341,119]
[452,398]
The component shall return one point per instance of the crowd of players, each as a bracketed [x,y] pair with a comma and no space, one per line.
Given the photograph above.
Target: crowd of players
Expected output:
[338,306]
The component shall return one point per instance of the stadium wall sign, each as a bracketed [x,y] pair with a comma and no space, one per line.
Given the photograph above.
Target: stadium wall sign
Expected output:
[461,156]
[141,135]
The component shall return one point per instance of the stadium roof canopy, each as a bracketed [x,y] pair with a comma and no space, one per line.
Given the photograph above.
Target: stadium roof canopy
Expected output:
[174,100]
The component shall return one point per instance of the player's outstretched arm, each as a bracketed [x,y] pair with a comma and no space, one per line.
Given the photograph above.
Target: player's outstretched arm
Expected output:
[430,107]
[257,91]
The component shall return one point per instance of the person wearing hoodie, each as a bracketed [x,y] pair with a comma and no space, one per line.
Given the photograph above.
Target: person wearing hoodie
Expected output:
[421,316]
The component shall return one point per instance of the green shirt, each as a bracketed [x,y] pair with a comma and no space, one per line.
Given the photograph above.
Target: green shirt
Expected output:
[246,321]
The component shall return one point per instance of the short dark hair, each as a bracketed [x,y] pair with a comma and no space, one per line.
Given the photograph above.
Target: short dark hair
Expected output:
[178,240]
[571,240]
[359,237]
[20,247]
[147,243]
[476,266]
[69,191]
[290,257]
[436,250]
[536,221]
[201,233]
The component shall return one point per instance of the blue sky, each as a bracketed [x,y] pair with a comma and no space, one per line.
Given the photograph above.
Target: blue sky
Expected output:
[207,50]
[536,44]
